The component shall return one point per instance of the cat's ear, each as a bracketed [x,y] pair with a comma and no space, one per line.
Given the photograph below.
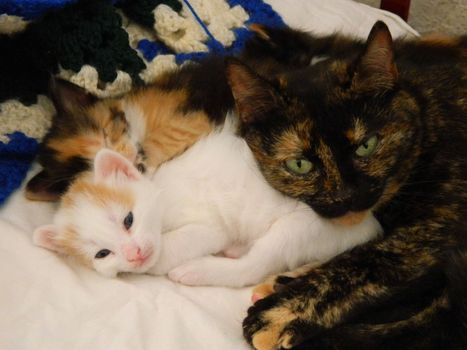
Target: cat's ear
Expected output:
[253,95]
[45,237]
[110,164]
[44,187]
[376,69]
[286,45]
[68,98]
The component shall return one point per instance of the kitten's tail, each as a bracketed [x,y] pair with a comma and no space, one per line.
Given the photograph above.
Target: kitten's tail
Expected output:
[440,325]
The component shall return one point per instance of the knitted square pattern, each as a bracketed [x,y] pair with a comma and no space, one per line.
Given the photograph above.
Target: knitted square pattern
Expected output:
[106,47]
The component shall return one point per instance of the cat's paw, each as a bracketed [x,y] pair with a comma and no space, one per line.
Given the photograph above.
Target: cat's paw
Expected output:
[277,283]
[268,325]
[193,273]
[263,290]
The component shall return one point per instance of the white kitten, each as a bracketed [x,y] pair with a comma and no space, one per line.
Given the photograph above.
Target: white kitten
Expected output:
[210,199]
[105,220]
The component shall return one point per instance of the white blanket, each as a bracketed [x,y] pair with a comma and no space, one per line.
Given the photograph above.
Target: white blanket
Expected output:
[48,302]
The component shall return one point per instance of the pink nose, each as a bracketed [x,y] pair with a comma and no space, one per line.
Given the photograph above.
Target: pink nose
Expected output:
[133,253]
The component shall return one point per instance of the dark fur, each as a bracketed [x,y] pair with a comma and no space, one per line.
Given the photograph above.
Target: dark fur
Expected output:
[395,292]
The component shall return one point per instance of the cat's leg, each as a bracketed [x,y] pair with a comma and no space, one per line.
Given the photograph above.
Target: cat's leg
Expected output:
[350,285]
[235,251]
[186,243]
[276,283]
[276,251]
[433,327]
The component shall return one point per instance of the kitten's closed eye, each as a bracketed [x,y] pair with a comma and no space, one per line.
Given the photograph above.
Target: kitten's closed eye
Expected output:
[102,253]
[128,221]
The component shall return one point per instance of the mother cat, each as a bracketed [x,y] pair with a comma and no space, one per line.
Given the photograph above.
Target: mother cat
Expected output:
[377,126]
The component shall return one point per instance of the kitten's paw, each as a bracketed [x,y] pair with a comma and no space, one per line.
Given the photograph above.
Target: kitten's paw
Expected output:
[191,274]
[235,251]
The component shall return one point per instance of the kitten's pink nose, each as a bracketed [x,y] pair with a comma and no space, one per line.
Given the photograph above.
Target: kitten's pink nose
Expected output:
[133,253]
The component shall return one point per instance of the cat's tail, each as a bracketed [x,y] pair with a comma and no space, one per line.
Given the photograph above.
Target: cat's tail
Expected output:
[440,325]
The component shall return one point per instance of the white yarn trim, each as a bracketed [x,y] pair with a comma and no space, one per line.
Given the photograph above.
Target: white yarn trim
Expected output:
[182,33]
[160,64]
[135,31]
[11,24]
[33,120]
[88,78]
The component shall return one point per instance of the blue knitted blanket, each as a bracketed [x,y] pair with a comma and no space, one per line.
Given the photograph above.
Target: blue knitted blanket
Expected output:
[104,46]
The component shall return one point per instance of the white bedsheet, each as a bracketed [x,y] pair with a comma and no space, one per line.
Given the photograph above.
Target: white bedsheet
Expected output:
[48,302]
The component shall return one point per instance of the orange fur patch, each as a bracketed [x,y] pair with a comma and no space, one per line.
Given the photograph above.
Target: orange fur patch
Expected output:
[85,146]
[357,133]
[68,245]
[351,218]
[169,131]
[100,194]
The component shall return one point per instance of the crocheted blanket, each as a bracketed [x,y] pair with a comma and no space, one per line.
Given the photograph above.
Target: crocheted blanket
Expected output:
[104,46]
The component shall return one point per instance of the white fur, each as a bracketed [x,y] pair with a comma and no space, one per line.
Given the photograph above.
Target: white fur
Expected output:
[210,199]
[136,119]
[213,197]
[101,227]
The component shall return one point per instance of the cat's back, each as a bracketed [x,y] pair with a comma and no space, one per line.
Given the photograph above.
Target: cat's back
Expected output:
[437,62]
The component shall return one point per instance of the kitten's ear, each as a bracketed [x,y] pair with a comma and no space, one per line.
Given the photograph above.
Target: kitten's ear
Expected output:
[109,164]
[69,98]
[376,68]
[44,236]
[43,187]
[253,95]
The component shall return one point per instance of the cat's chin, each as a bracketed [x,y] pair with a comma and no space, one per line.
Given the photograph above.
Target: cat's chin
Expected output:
[351,218]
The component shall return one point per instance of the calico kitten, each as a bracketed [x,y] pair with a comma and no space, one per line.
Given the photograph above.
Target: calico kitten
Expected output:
[152,124]
[380,127]
[212,198]
[147,126]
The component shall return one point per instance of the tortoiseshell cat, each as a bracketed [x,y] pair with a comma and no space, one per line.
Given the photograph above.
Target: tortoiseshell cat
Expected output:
[152,124]
[377,126]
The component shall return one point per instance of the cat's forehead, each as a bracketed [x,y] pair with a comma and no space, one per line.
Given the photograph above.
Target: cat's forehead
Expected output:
[294,139]
[105,111]
[318,80]
[327,109]
[92,215]
[100,195]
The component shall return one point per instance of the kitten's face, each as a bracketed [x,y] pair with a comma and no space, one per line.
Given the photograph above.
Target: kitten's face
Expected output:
[339,135]
[147,126]
[81,127]
[107,220]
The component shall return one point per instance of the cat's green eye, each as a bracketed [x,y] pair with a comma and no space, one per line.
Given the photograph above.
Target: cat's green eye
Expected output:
[299,166]
[368,147]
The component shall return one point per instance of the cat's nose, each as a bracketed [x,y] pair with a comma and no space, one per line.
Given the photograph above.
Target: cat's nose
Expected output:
[132,252]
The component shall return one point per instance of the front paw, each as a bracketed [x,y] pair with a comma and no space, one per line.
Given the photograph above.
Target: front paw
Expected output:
[287,316]
[272,285]
[277,283]
[192,273]
[270,324]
